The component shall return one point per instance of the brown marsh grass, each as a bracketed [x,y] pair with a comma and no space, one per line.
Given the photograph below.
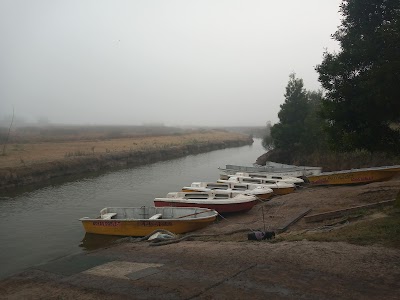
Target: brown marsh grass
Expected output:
[30,153]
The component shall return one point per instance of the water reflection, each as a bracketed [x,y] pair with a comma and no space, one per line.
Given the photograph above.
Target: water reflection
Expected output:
[95,241]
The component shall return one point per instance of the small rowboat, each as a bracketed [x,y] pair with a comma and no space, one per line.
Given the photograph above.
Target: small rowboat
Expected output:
[141,221]
[221,202]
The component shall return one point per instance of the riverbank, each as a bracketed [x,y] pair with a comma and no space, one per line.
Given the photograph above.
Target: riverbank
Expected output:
[295,265]
[37,162]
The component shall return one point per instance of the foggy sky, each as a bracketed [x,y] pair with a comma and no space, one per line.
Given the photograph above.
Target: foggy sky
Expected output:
[182,62]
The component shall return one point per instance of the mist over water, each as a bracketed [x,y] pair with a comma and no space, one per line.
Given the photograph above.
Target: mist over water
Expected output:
[42,225]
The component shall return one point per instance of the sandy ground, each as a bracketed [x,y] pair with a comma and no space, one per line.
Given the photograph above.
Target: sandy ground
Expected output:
[228,266]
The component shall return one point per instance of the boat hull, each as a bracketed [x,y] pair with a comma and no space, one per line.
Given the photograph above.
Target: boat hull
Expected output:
[352,177]
[283,191]
[260,196]
[143,227]
[220,208]
[265,196]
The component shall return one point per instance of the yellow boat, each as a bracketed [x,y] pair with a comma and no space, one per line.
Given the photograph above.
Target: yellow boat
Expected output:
[141,221]
[355,176]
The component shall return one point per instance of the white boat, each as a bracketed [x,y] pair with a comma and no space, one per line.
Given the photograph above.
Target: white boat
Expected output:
[221,202]
[271,178]
[278,169]
[279,187]
[260,191]
[224,173]
[308,169]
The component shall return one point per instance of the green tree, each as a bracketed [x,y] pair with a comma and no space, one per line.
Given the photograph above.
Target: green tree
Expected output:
[288,132]
[314,137]
[362,100]
[267,141]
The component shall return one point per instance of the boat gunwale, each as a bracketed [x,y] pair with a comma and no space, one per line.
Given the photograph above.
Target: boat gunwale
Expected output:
[229,201]
[255,192]
[179,218]
[277,184]
[147,220]
[384,168]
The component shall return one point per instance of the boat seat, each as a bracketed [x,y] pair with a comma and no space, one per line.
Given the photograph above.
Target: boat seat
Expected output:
[108,216]
[155,217]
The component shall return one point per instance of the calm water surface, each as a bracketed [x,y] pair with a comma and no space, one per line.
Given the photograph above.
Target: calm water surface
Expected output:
[42,225]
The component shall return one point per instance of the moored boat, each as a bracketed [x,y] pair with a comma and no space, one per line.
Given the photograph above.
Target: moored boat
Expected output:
[221,202]
[260,191]
[141,221]
[225,173]
[279,188]
[272,168]
[355,176]
[307,170]
[271,178]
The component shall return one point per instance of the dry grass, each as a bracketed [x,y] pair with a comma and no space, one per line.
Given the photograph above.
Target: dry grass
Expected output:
[27,154]
[379,228]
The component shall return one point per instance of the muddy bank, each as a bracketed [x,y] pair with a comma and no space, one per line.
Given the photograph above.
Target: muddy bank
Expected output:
[11,178]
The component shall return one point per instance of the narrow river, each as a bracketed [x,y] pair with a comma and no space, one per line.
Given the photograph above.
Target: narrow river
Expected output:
[42,225]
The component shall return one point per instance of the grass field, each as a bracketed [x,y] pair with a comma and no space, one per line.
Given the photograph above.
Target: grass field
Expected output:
[38,149]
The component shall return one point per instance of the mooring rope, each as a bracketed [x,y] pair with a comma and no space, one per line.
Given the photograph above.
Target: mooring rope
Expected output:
[177,240]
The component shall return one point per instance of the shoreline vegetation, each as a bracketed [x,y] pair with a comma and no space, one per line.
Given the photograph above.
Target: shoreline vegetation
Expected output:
[31,158]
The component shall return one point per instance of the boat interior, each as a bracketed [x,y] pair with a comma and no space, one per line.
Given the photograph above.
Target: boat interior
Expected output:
[153,213]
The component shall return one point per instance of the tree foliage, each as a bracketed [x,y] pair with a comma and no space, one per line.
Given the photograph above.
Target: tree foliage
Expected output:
[299,126]
[267,141]
[287,133]
[362,104]
[314,136]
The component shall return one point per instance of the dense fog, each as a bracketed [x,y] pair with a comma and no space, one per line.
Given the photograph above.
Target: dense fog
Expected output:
[175,63]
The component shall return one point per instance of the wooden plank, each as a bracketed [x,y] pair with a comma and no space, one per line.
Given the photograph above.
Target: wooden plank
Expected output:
[294,220]
[341,212]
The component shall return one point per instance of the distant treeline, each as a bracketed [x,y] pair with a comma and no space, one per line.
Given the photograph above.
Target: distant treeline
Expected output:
[358,110]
